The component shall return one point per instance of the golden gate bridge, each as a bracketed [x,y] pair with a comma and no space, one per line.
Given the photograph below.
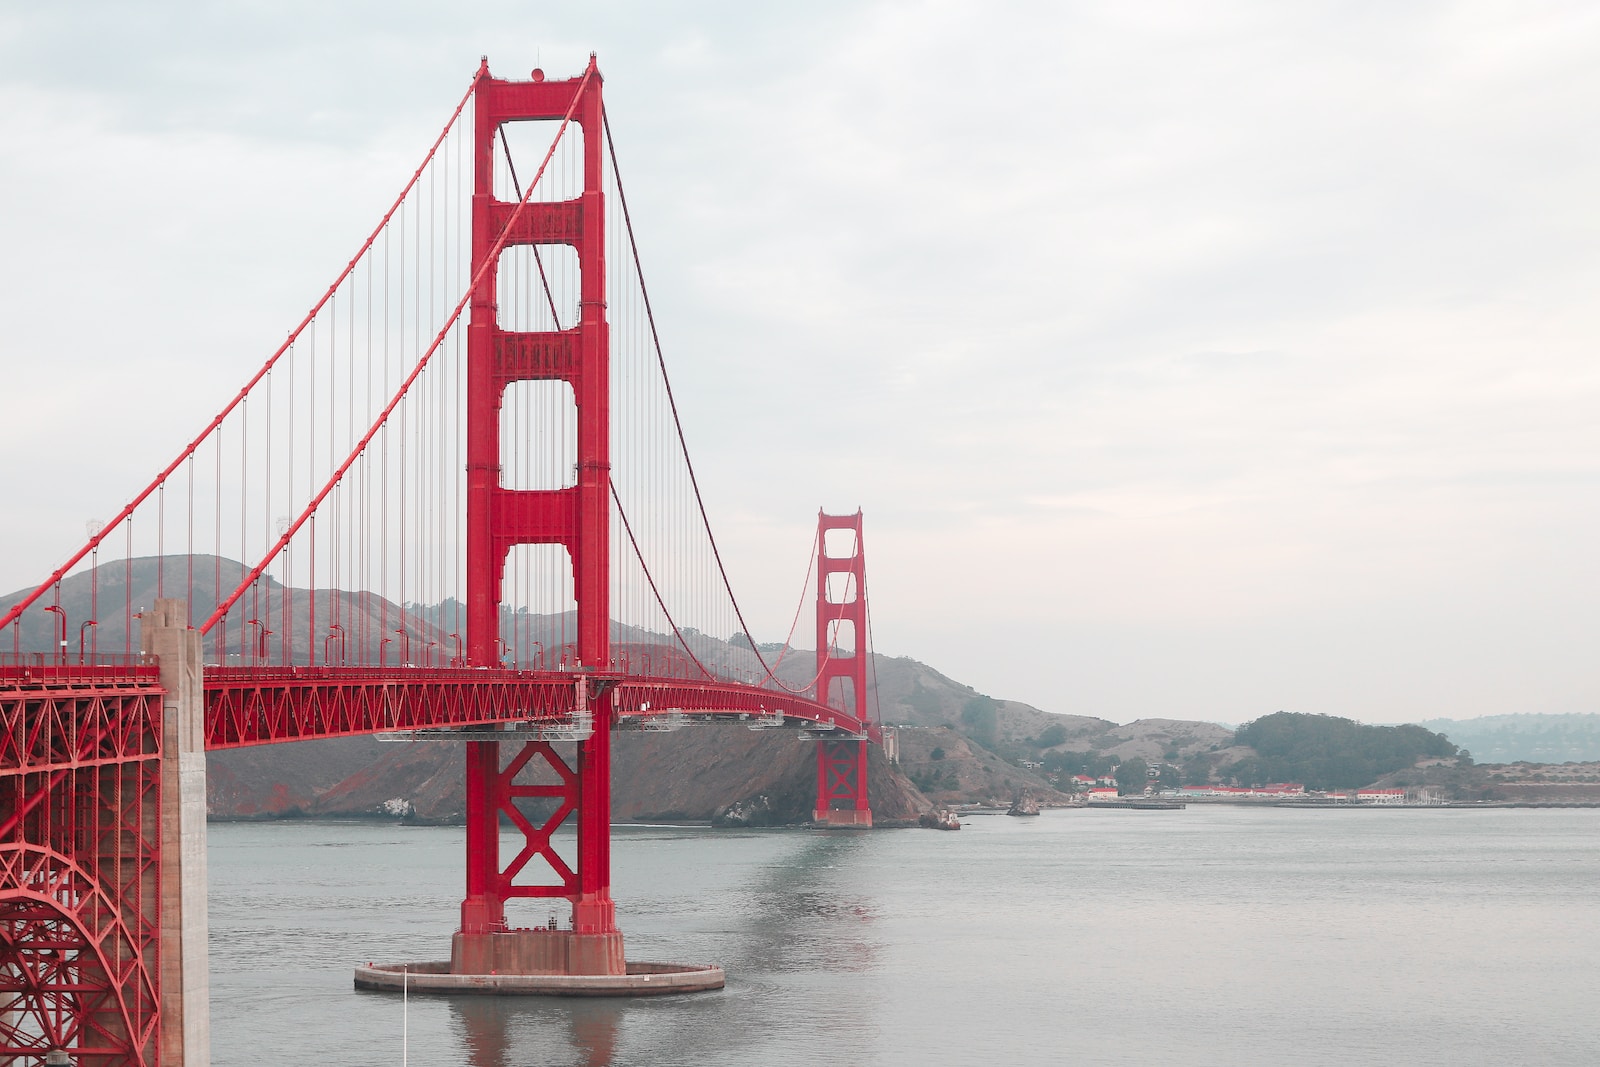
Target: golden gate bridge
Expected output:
[455,503]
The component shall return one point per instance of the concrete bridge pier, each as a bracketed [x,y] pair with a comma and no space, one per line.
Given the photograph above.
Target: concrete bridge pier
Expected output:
[185,974]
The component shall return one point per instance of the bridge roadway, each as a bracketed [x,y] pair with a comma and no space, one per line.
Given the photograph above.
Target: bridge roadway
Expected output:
[266,705]
[94,732]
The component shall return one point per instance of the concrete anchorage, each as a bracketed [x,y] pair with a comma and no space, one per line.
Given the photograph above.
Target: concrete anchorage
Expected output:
[184,969]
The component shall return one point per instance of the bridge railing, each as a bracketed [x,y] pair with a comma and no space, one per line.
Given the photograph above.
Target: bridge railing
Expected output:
[51,668]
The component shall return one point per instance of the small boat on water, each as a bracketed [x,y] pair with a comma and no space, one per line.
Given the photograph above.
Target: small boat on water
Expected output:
[939,819]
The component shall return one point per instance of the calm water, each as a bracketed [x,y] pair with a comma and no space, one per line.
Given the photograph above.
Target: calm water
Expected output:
[1205,936]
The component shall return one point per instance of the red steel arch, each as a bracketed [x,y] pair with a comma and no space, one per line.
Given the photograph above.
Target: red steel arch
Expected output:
[76,975]
[80,840]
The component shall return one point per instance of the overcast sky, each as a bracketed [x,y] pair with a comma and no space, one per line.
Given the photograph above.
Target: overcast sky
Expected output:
[1188,360]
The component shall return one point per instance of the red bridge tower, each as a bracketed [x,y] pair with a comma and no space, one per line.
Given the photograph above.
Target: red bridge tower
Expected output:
[576,517]
[842,668]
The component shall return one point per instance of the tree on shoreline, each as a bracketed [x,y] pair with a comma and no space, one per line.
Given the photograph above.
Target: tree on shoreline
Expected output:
[1327,752]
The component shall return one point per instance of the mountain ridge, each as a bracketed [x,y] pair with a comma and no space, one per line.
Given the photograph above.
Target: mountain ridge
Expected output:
[956,745]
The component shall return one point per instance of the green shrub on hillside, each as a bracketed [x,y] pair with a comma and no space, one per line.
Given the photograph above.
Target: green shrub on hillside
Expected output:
[1326,752]
[981,719]
[1051,736]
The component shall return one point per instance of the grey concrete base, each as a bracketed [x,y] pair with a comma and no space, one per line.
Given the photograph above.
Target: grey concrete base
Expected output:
[185,1035]
[642,980]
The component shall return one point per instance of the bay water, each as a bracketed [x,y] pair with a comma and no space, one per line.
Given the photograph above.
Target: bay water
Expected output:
[1215,935]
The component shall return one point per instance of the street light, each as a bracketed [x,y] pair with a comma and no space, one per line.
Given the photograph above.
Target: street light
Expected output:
[334,629]
[261,640]
[87,623]
[61,611]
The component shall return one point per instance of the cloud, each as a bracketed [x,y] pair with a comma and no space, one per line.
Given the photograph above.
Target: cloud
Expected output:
[1148,330]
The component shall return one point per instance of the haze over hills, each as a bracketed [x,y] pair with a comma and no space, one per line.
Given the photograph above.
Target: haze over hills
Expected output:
[1525,738]
[956,745]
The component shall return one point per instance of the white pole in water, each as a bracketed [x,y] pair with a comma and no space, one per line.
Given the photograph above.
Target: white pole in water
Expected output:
[405,1016]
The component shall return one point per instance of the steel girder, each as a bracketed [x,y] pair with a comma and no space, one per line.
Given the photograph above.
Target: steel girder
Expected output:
[80,838]
[248,706]
[841,775]
[647,697]
[536,839]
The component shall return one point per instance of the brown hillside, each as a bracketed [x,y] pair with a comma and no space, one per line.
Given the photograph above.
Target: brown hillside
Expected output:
[691,774]
[288,779]
[965,772]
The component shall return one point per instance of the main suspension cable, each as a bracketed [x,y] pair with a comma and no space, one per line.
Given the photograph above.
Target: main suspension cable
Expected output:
[654,591]
[694,482]
[243,394]
[382,420]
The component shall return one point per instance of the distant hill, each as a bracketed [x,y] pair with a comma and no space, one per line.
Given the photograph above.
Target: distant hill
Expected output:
[1326,752]
[694,774]
[957,745]
[1525,738]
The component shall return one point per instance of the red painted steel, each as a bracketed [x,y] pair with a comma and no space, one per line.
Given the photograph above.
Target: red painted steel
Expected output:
[566,789]
[254,705]
[80,841]
[842,672]
[842,782]
[577,518]
[647,697]
[837,664]
[266,705]
[80,744]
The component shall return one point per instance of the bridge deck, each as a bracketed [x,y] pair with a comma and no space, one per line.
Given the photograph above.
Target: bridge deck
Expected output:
[265,705]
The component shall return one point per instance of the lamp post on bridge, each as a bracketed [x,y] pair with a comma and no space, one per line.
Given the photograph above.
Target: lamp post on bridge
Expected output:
[258,647]
[57,609]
